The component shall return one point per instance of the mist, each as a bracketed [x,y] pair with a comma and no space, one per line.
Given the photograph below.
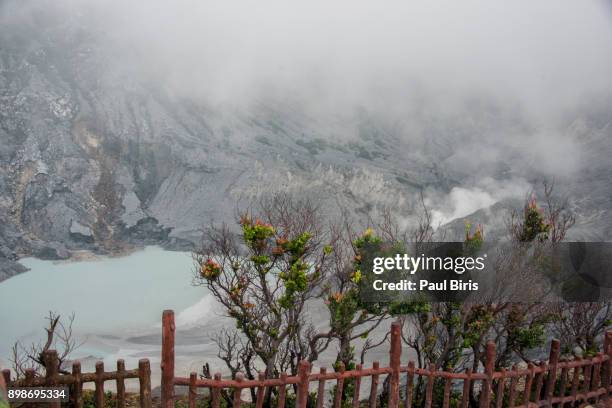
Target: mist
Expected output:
[498,90]
[544,56]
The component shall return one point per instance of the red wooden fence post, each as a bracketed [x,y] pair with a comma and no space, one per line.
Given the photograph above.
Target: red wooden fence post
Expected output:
[238,391]
[596,378]
[4,379]
[144,378]
[467,384]
[395,356]
[543,368]
[357,387]
[261,389]
[447,389]
[193,390]
[99,392]
[216,391]
[553,361]
[374,385]
[576,378]
[339,386]
[431,378]
[607,369]
[501,387]
[167,360]
[282,391]
[528,384]
[485,395]
[321,389]
[77,386]
[52,371]
[29,382]
[409,385]
[120,383]
[304,382]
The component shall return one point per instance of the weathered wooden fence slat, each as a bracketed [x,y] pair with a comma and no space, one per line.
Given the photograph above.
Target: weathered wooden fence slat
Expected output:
[261,390]
[99,392]
[539,380]
[120,384]
[216,401]
[528,384]
[339,387]
[29,381]
[563,381]
[193,390]
[409,385]
[430,383]
[144,378]
[167,363]
[447,389]
[304,383]
[77,386]
[356,388]
[575,380]
[374,385]
[465,399]
[321,389]
[237,399]
[395,355]
[499,394]
[52,375]
[553,362]
[282,392]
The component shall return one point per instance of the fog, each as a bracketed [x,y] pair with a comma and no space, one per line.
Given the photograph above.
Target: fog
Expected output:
[543,55]
[524,63]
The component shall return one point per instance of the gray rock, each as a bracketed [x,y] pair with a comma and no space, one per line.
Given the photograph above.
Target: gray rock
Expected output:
[10,268]
[50,251]
[77,228]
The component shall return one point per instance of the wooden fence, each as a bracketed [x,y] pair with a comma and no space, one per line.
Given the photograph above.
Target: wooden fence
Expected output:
[76,379]
[559,383]
[553,383]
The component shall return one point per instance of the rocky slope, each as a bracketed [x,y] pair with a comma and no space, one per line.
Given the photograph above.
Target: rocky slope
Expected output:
[94,157]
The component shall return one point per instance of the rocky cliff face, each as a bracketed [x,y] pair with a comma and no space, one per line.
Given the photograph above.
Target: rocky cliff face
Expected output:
[94,157]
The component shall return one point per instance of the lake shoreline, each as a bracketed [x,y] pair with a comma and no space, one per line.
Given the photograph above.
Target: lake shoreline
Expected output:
[86,255]
[10,268]
[116,295]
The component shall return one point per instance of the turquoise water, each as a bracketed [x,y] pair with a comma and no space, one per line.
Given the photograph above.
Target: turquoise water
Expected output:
[110,296]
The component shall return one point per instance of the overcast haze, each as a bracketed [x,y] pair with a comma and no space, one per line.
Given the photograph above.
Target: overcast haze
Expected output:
[545,55]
